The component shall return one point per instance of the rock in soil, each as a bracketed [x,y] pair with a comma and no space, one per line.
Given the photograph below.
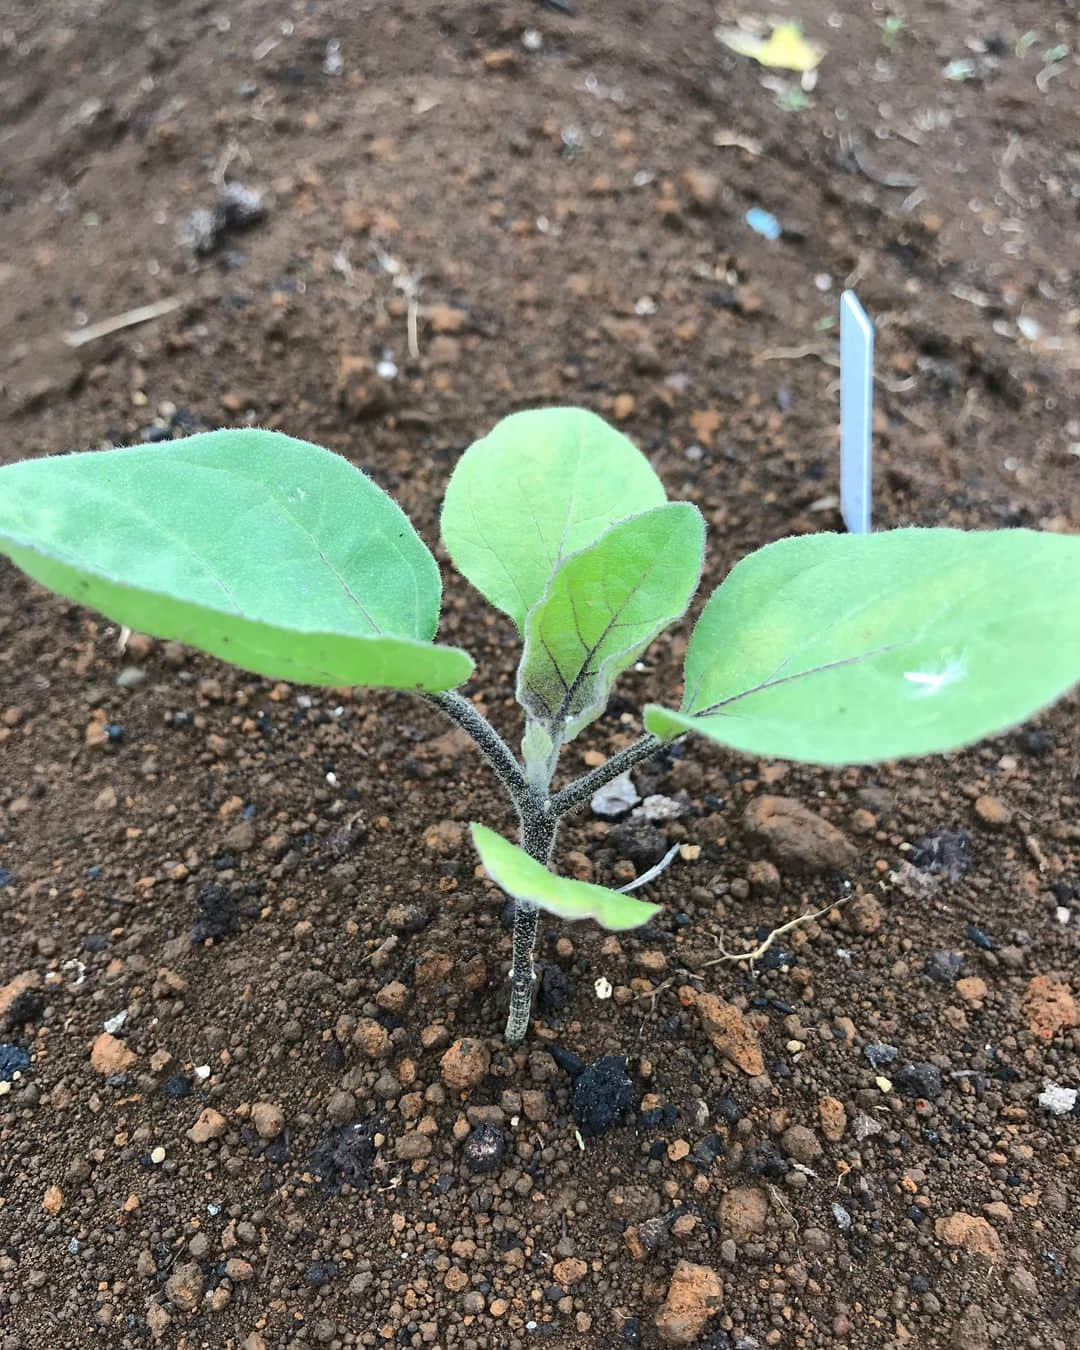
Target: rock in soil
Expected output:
[729,1030]
[694,1295]
[484,1150]
[644,845]
[465,1063]
[799,839]
[919,1080]
[603,1094]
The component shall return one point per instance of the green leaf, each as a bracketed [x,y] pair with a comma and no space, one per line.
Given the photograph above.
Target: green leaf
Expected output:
[268,552]
[602,608]
[540,486]
[525,879]
[847,649]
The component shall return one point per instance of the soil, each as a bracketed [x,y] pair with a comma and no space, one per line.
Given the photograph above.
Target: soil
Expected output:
[255,1091]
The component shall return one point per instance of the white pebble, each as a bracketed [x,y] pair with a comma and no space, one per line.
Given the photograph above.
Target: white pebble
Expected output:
[1059,1101]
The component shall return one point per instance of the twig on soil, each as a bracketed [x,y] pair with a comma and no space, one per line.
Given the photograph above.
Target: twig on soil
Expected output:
[234,150]
[762,947]
[143,314]
[828,359]
[408,283]
[849,147]
[794,354]
[749,957]
[779,1200]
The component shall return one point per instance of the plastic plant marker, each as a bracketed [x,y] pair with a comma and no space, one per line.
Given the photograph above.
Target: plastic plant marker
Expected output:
[856,413]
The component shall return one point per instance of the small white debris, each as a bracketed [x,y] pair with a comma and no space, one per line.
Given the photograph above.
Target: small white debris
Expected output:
[80,972]
[1059,1101]
[386,369]
[842,1217]
[1062,915]
[615,798]
[157,1156]
[603,988]
[333,64]
[331,778]
[203,1072]
[113,1024]
[5,1087]
[1029,327]
[656,809]
[884,1084]
[644,306]
[532,39]
[929,682]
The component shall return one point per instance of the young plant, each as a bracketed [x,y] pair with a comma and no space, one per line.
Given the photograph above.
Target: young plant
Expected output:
[283,559]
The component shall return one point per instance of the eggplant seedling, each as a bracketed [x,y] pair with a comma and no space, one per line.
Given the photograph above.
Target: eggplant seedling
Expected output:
[285,560]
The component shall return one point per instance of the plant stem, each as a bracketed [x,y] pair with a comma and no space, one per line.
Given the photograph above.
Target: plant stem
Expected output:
[583,788]
[491,745]
[539,826]
[539,813]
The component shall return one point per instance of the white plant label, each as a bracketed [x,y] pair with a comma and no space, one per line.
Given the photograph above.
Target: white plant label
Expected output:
[856,413]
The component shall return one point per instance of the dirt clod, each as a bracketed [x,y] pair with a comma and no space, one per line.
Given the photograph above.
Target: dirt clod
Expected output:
[111,1055]
[799,839]
[694,1295]
[730,1032]
[465,1063]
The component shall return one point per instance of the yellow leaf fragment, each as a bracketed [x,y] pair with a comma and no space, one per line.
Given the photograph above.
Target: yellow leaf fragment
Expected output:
[784,49]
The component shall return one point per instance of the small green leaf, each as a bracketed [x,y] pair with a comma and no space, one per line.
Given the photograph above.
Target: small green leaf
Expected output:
[539,751]
[540,486]
[525,879]
[600,611]
[847,649]
[268,552]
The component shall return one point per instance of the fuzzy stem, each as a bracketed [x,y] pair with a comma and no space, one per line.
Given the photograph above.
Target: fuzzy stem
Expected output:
[583,788]
[491,745]
[538,829]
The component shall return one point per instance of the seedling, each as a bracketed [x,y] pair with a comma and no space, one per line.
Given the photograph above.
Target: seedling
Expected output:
[283,559]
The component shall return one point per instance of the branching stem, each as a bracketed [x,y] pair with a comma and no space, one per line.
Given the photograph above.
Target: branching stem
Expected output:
[579,791]
[539,814]
[491,745]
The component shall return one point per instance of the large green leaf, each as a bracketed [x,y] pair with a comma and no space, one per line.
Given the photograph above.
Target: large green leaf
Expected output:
[525,879]
[602,608]
[271,553]
[540,486]
[842,649]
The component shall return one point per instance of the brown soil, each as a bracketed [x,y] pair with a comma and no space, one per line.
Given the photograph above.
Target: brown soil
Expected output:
[579,236]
